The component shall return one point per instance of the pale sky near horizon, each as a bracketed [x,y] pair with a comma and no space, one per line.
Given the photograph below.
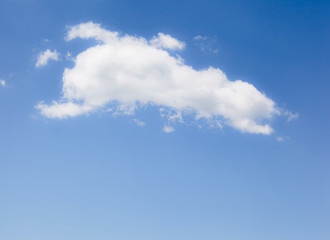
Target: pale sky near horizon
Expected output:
[164,120]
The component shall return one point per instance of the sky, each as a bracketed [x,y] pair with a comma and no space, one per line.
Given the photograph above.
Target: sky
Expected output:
[161,120]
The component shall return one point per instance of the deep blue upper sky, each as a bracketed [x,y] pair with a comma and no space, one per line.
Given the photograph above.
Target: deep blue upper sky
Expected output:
[99,177]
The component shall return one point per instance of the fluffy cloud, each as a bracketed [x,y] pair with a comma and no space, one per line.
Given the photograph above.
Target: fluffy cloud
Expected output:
[127,72]
[45,56]
[167,42]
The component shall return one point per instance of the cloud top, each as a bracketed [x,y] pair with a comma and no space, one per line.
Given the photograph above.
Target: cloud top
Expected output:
[127,72]
[45,56]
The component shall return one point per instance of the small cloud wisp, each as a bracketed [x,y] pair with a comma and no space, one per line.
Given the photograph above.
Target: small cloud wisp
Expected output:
[2,83]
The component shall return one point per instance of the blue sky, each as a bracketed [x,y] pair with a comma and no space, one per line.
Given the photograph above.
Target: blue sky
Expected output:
[144,140]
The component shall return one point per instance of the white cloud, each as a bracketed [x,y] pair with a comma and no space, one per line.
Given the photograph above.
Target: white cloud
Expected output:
[167,42]
[68,56]
[171,115]
[199,37]
[45,56]
[139,123]
[127,72]
[206,44]
[2,83]
[91,30]
[168,129]
[290,116]
[63,110]
[282,139]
